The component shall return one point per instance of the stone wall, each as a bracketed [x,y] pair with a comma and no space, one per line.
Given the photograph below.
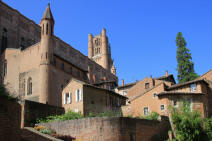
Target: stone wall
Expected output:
[113,129]
[10,118]
[33,110]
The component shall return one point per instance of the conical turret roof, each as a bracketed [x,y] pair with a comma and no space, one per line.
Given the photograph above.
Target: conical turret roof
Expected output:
[48,13]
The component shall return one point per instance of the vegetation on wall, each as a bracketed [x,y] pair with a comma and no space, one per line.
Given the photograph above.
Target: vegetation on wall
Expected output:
[4,93]
[73,115]
[185,66]
[189,125]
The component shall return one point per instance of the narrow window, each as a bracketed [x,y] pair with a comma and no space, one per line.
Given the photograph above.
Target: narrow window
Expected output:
[146,85]
[54,61]
[68,98]
[162,107]
[146,111]
[193,87]
[29,86]
[62,66]
[51,30]
[155,95]
[5,68]
[43,29]
[76,110]
[4,40]
[47,27]
[70,70]
[175,103]
[22,44]
[78,74]
[24,86]
[84,76]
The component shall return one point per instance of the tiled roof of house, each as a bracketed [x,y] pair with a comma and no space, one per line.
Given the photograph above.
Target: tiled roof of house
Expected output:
[179,93]
[165,76]
[127,85]
[186,83]
[117,94]
[206,72]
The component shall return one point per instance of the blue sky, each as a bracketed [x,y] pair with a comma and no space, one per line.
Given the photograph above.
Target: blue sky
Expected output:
[141,32]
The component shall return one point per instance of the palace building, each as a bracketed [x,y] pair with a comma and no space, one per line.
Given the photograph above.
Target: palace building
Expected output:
[36,65]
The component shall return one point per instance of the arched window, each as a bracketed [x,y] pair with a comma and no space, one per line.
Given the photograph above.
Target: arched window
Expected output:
[47,27]
[29,86]
[4,40]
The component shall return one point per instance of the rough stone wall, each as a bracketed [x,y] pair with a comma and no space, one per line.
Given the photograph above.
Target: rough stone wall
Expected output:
[33,110]
[113,129]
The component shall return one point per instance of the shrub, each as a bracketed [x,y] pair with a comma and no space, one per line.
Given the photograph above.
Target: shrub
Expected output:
[47,131]
[67,116]
[152,116]
[188,124]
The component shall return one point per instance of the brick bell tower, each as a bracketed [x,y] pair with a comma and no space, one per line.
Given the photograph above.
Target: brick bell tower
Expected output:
[99,51]
[46,54]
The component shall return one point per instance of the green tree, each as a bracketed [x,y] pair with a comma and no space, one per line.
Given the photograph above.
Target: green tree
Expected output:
[185,66]
[189,125]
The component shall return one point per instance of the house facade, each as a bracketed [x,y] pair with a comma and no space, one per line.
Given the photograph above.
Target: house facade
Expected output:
[79,96]
[159,96]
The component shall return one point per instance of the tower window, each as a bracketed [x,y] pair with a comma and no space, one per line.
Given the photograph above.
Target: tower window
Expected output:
[5,68]
[4,40]
[47,27]
[51,30]
[29,86]
[43,29]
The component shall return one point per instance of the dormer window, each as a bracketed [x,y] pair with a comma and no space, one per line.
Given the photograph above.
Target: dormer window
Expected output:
[146,85]
[193,87]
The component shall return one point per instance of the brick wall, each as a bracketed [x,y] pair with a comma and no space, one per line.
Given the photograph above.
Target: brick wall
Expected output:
[112,129]
[33,110]
[10,117]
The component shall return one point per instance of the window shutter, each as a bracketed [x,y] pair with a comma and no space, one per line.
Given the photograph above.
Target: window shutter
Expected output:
[69,97]
[76,95]
[64,102]
[80,95]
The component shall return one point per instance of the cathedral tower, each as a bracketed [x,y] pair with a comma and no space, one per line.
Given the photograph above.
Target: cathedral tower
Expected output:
[46,52]
[100,52]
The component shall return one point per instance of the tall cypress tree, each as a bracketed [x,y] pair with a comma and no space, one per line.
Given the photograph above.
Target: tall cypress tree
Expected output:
[185,66]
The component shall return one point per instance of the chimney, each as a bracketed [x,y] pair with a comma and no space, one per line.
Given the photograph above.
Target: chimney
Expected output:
[166,74]
[122,83]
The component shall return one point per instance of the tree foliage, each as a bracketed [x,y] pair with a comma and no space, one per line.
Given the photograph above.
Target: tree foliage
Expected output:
[185,66]
[189,125]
